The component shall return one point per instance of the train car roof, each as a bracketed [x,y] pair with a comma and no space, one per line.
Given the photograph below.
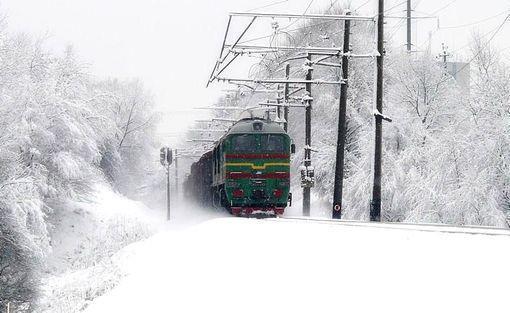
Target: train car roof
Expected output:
[255,125]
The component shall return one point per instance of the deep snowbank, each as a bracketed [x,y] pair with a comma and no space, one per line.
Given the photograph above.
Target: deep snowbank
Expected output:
[84,238]
[247,265]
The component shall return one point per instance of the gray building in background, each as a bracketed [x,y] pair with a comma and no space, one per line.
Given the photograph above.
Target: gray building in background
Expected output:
[461,72]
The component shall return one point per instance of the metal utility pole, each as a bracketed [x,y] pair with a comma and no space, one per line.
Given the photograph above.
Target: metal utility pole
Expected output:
[340,145]
[409,26]
[176,176]
[168,192]
[286,98]
[375,207]
[444,54]
[278,101]
[308,136]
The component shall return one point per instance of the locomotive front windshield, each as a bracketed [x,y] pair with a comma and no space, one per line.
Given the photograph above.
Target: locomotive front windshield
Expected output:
[259,143]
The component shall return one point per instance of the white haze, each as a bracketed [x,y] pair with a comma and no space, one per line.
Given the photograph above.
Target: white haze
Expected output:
[172,45]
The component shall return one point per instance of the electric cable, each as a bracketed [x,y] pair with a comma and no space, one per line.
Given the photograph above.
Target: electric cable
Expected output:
[477,22]
[488,42]
[268,5]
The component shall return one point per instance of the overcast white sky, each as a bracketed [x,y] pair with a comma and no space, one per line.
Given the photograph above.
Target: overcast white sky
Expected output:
[172,45]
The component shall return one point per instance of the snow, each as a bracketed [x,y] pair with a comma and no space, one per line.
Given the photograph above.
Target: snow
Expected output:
[84,238]
[231,264]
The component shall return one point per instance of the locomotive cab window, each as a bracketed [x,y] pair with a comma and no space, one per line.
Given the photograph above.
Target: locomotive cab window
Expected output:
[244,143]
[273,143]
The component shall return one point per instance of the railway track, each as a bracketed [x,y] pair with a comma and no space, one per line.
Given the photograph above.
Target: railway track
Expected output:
[469,230]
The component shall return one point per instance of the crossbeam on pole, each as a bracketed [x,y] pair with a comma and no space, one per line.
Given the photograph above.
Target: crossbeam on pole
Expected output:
[219,108]
[224,120]
[201,140]
[282,81]
[332,52]
[286,104]
[283,48]
[208,130]
[334,17]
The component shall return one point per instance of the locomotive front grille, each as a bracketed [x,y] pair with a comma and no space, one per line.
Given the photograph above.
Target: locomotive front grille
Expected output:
[258,194]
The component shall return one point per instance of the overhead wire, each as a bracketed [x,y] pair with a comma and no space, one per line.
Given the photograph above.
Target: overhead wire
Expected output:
[362,5]
[268,5]
[433,14]
[487,43]
[401,22]
[288,31]
[462,26]
[444,7]
[298,19]
[494,30]
[395,6]
[477,22]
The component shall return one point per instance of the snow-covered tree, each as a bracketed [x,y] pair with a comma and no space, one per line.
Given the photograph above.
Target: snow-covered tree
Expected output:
[445,155]
[57,127]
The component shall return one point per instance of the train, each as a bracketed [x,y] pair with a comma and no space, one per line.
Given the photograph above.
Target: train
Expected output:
[247,172]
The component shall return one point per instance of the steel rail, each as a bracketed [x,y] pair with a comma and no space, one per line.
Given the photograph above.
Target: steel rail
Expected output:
[421,227]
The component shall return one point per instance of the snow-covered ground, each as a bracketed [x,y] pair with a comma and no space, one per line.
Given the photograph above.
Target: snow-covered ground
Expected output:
[116,255]
[86,237]
[227,264]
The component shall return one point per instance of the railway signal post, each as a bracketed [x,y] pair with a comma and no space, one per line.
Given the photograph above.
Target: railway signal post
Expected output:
[176,175]
[165,157]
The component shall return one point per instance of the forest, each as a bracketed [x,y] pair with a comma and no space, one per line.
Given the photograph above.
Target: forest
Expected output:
[61,131]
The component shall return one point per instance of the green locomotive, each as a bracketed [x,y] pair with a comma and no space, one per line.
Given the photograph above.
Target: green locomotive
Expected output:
[247,172]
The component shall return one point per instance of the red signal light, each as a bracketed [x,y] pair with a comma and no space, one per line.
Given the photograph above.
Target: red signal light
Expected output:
[238,193]
[277,193]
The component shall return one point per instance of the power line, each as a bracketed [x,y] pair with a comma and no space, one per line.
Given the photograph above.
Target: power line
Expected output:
[463,46]
[288,31]
[433,14]
[482,36]
[444,7]
[401,22]
[365,3]
[488,42]
[331,5]
[398,27]
[306,10]
[477,22]
[268,5]
[395,6]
